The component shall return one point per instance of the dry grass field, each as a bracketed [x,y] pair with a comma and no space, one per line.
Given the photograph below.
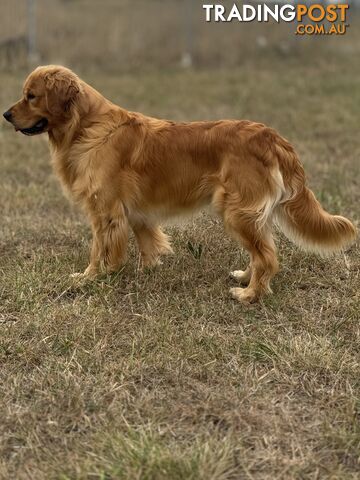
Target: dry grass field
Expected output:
[160,375]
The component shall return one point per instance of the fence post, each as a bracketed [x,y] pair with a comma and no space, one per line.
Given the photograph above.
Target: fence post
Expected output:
[188,55]
[31,32]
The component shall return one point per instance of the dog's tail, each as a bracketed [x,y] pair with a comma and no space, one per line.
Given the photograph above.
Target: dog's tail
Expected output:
[298,213]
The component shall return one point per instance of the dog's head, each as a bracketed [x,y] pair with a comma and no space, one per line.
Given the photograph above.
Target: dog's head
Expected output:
[49,94]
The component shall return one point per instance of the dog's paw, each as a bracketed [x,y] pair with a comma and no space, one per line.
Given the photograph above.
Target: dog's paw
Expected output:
[82,276]
[243,295]
[241,276]
[150,262]
[166,250]
[77,275]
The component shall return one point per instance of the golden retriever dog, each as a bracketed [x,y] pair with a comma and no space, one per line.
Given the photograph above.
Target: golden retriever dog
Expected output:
[129,170]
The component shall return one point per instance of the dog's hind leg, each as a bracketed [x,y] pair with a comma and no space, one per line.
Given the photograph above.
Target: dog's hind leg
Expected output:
[245,224]
[246,205]
[152,242]
[259,243]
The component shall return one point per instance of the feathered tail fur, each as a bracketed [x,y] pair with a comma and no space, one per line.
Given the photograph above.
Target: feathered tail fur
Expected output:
[298,213]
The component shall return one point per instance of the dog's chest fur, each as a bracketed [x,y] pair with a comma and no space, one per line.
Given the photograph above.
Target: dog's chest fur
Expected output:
[78,172]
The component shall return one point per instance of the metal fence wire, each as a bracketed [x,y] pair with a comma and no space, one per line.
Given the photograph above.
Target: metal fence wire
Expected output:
[123,34]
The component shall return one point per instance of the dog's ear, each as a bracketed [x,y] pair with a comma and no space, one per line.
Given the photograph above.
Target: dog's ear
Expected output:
[62,88]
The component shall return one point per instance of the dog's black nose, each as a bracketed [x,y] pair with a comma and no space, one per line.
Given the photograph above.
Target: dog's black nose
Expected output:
[7,115]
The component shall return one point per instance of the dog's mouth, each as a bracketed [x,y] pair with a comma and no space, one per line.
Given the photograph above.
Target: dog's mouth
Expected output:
[36,129]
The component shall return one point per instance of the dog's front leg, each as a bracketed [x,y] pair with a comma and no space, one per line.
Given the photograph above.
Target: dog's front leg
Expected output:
[108,249]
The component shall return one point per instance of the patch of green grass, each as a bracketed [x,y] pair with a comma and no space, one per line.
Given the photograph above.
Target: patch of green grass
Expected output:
[148,455]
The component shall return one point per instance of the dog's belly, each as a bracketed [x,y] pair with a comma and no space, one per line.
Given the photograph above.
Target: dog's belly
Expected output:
[166,214]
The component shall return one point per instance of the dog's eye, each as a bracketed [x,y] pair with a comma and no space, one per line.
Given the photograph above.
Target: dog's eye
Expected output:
[30,96]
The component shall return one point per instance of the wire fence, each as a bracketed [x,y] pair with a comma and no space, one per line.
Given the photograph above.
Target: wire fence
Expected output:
[126,34]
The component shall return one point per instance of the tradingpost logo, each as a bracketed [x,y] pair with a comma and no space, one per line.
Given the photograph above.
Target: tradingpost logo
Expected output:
[310,19]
